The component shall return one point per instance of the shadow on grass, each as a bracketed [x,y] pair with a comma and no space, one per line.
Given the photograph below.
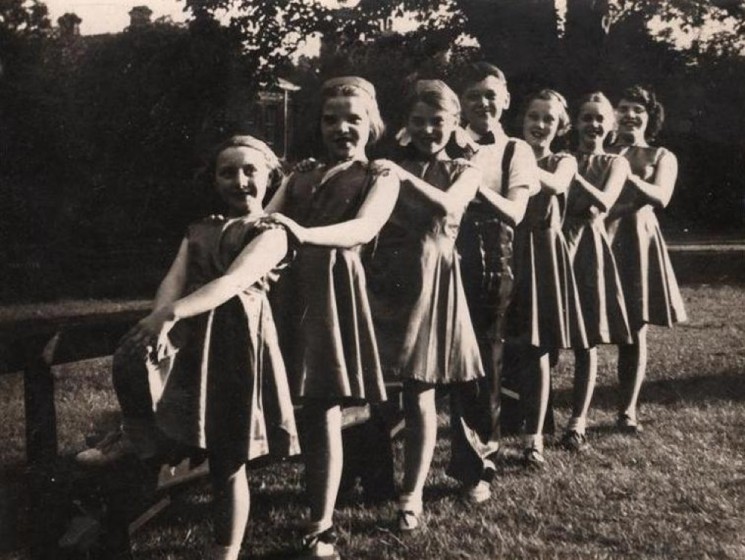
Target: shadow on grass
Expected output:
[726,386]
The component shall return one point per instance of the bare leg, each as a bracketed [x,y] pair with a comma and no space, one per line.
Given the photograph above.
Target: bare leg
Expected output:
[632,367]
[324,459]
[536,384]
[585,375]
[231,506]
[419,447]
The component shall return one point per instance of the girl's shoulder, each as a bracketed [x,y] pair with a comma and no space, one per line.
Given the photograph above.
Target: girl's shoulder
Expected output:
[206,223]
[562,154]
[606,158]
[551,161]
[649,153]
[379,168]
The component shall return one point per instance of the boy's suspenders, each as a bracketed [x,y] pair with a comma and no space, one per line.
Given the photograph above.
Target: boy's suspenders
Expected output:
[497,252]
[485,246]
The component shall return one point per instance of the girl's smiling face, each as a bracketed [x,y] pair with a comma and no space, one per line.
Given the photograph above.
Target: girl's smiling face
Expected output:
[632,118]
[430,128]
[241,179]
[594,123]
[541,122]
[345,127]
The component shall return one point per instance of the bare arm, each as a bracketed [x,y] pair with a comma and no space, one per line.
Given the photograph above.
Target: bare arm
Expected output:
[511,208]
[172,286]
[452,201]
[660,191]
[257,259]
[372,216]
[558,182]
[606,197]
[277,203]
[147,330]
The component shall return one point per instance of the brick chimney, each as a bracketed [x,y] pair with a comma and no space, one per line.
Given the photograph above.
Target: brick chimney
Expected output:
[69,25]
[139,17]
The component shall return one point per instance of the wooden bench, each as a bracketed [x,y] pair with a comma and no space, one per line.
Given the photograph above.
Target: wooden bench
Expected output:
[36,337]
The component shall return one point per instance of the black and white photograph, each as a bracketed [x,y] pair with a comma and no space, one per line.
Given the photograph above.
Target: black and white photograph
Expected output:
[372,279]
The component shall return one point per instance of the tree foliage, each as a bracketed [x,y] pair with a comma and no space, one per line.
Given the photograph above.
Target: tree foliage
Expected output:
[100,136]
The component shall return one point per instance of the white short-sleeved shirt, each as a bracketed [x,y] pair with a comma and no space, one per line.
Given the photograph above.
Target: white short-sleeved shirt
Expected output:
[523,167]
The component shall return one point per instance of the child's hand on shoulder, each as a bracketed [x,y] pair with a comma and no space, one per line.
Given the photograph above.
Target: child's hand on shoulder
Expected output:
[295,229]
[305,165]
[386,167]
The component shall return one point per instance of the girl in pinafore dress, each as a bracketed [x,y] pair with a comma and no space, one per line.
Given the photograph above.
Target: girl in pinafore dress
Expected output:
[545,314]
[649,284]
[416,290]
[204,368]
[593,192]
[331,212]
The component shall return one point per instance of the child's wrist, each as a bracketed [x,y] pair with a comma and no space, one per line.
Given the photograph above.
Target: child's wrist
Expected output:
[167,312]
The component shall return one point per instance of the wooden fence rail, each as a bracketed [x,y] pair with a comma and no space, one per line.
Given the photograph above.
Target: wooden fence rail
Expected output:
[35,338]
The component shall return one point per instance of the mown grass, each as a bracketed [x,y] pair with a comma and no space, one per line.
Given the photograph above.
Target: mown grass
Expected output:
[676,492]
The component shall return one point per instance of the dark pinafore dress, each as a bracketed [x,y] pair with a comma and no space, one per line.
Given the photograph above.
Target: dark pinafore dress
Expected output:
[600,292]
[545,311]
[647,276]
[419,306]
[328,335]
[221,382]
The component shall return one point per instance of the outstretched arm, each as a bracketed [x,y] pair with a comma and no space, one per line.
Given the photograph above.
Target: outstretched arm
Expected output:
[256,260]
[372,216]
[558,182]
[660,190]
[170,290]
[452,201]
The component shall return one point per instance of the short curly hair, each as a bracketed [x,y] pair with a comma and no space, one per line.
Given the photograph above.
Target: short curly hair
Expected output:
[646,97]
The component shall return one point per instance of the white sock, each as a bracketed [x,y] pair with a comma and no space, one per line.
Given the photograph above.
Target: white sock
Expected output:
[533,441]
[577,424]
[219,552]
[410,501]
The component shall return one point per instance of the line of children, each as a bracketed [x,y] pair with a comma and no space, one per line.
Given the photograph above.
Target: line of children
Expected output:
[511,243]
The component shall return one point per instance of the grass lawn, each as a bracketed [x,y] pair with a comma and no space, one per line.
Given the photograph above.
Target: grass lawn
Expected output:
[676,492]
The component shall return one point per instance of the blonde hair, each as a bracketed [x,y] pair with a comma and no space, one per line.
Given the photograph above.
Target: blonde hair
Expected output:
[596,97]
[354,86]
[547,94]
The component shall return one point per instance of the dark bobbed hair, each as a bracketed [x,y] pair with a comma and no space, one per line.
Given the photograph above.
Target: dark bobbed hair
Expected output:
[547,94]
[655,110]
[377,127]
